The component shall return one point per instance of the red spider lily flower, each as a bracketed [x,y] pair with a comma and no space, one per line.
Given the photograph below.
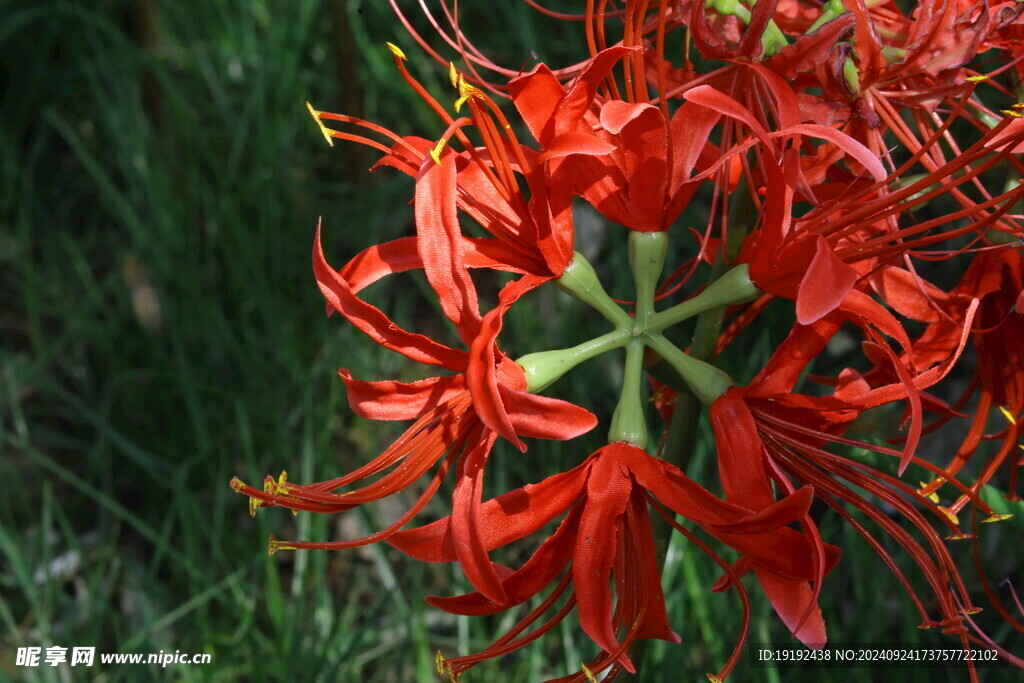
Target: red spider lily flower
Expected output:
[766,432]
[638,174]
[821,259]
[898,62]
[645,182]
[1007,32]
[531,228]
[605,540]
[996,277]
[720,36]
[447,428]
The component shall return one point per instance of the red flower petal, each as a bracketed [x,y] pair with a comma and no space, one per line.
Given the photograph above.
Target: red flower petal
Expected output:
[827,282]
[541,417]
[372,322]
[608,491]
[389,400]
[507,518]
[740,463]
[470,547]
[481,373]
[441,245]
[539,571]
[792,599]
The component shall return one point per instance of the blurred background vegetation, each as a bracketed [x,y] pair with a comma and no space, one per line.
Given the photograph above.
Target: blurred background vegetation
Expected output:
[162,332]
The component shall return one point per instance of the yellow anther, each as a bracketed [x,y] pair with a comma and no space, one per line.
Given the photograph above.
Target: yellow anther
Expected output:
[274,545]
[977,79]
[466,91]
[1008,415]
[1019,105]
[933,496]
[439,662]
[435,153]
[254,503]
[714,679]
[453,74]
[276,488]
[324,130]
[973,610]
[588,673]
[959,537]
[950,514]
[1010,112]
[396,51]
[996,518]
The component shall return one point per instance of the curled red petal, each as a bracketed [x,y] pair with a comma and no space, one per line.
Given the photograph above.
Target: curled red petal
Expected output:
[507,518]
[441,245]
[541,417]
[813,48]
[466,530]
[401,255]
[543,567]
[536,95]
[792,599]
[608,491]
[740,462]
[389,400]
[790,509]
[824,286]
[372,322]
[481,373]
[576,142]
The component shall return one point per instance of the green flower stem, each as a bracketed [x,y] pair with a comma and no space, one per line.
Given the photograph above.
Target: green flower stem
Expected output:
[646,260]
[705,380]
[628,423]
[682,434]
[734,287]
[544,367]
[580,281]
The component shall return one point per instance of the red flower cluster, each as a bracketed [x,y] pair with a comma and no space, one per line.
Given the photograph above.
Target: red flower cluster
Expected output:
[838,151]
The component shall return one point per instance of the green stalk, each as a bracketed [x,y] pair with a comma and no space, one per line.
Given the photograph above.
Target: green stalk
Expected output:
[733,287]
[681,439]
[706,381]
[628,422]
[646,260]
[544,367]
[580,281]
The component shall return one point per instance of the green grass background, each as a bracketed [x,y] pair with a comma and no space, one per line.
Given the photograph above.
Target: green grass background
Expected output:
[162,332]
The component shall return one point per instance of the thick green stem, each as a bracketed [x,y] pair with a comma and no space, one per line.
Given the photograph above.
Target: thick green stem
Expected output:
[646,260]
[681,439]
[628,422]
[580,281]
[734,287]
[544,367]
[706,381]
